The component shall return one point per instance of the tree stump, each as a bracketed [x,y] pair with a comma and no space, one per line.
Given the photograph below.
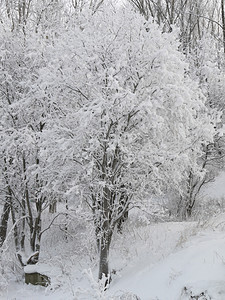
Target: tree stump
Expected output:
[37,274]
[37,279]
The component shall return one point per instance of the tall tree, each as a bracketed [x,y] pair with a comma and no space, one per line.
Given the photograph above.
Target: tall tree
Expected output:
[24,110]
[130,119]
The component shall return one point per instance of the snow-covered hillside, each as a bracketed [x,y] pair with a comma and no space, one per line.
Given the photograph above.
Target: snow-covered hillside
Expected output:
[164,261]
[196,267]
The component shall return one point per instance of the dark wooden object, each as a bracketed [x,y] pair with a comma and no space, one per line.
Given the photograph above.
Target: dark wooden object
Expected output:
[37,279]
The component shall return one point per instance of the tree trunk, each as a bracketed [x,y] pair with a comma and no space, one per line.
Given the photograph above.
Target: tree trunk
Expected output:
[104,253]
[4,222]
[104,258]
[35,240]
[223,22]
[15,228]
[105,238]
[53,207]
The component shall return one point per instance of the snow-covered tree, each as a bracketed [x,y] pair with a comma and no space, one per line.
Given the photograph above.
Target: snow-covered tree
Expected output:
[206,63]
[130,120]
[98,111]
[24,111]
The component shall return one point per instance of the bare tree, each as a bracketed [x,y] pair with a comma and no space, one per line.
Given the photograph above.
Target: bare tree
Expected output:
[194,18]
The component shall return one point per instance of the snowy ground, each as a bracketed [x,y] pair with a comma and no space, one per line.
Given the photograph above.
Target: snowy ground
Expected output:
[155,261]
[164,261]
[198,264]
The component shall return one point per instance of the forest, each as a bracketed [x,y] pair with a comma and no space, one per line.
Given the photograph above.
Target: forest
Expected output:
[111,120]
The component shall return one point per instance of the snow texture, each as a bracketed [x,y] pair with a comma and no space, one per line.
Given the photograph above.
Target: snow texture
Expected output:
[174,261]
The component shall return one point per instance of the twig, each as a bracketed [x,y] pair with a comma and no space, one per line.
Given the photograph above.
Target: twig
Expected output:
[65,214]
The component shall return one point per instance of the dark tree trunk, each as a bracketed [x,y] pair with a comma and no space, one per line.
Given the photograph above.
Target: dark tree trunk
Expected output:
[105,238]
[104,253]
[15,229]
[104,271]
[53,207]
[4,222]
[223,23]
[35,240]
[121,222]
